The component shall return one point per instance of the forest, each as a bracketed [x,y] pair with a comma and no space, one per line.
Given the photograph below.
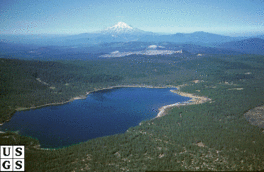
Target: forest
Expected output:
[210,136]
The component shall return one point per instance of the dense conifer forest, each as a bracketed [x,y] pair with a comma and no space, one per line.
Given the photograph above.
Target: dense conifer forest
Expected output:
[210,136]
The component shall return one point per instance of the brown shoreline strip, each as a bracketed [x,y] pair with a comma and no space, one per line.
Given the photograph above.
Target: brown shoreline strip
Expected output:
[194,100]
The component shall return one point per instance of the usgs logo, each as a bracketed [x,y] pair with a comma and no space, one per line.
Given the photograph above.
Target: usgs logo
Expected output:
[12,158]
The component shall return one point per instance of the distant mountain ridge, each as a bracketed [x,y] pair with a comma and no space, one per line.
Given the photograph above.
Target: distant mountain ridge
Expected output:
[122,32]
[196,37]
[251,46]
[125,39]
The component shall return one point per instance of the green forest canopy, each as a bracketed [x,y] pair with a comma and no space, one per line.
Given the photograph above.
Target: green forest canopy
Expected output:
[210,136]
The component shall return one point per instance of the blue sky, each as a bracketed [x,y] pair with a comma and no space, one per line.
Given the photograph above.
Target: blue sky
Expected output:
[226,17]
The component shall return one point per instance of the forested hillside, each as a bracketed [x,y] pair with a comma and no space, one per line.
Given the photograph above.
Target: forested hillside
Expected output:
[210,136]
[27,84]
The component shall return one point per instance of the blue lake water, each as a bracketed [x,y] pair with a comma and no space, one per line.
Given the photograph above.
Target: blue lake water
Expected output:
[102,113]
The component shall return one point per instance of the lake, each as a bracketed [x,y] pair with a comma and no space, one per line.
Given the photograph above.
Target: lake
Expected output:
[102,113]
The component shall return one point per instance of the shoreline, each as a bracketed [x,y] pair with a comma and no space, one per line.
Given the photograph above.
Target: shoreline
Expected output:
[162,110]
[87,93]
[194,100]
[51,104]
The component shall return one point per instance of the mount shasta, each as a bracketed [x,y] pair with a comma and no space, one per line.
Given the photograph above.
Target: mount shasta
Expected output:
[122,40]
[122,32]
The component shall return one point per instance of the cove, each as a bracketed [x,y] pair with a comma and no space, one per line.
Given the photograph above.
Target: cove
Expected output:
[102,113]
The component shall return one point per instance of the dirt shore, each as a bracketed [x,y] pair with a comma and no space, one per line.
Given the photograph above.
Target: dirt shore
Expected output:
[194,100]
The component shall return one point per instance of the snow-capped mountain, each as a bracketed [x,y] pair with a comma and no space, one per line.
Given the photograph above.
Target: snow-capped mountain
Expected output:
[122,32]
[122,28]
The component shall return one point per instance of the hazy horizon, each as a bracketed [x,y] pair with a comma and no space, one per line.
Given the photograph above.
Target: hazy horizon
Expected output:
[232,18]
[246,34]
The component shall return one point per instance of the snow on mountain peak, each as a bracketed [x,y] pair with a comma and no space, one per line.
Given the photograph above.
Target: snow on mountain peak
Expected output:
[120,27]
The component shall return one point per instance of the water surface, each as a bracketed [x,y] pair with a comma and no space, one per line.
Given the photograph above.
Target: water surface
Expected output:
[102,113]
